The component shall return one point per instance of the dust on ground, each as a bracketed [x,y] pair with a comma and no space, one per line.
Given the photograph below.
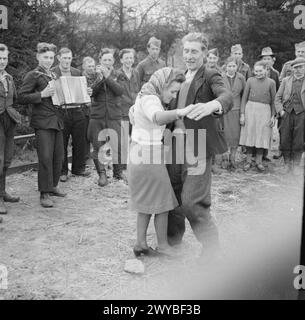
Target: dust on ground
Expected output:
[77,250]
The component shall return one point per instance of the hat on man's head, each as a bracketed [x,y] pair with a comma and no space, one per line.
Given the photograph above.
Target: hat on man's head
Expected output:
[214,51]
[300,45]
[298,62]
[267,51]
[154,41]
[236,47]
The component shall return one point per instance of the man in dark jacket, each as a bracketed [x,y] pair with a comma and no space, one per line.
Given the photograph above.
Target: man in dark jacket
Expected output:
[106,115]
[129,79]
[47,120]
[8,119]
[192,184]
[152,62]
[74,122]
[88,71]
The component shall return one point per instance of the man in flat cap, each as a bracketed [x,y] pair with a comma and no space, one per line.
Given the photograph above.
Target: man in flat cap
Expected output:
[242,67]
[299,53]
[152,62]
[290,104]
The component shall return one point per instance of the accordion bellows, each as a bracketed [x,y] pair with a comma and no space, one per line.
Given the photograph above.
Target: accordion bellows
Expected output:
[70,90]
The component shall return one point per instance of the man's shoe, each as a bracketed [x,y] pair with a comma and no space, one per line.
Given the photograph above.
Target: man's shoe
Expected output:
[57,193]
[46,201]
[260,167]
[63,178]
[102,180]
[9,198]
[2,207]
[277,156]
[266,159]
[82,173]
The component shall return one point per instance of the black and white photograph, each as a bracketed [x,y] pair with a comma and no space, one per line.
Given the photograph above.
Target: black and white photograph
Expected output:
[152,151]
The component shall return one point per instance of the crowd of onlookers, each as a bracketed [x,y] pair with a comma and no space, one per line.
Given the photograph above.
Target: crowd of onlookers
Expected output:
[240,105]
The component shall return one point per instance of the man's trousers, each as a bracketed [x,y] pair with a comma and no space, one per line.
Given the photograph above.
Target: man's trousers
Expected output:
[7,131]
[75,126]
[292,136]
[193,193]
[50,152]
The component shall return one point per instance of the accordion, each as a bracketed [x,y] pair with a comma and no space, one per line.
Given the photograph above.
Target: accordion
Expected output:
[70,90]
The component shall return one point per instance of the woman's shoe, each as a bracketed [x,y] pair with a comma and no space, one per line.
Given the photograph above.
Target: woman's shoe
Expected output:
[138,251]
[260,167]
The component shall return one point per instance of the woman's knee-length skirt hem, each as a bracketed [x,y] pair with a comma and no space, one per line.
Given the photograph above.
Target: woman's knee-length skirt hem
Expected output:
[150,188]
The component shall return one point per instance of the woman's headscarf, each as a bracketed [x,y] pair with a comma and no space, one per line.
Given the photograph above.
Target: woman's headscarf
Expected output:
[158,81]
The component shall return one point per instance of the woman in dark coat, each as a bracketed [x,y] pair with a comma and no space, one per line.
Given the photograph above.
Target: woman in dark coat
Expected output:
[235,82]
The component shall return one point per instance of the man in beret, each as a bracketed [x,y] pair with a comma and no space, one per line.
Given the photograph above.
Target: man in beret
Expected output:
[242,67]
[152,62]
[299,53]
[290,104]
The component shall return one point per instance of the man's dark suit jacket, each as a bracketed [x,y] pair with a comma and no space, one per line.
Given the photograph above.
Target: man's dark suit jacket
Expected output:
[44,114]
[206,86]
[8,99]
[275,75]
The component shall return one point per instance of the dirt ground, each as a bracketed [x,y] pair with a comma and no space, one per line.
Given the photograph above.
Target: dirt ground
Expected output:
[78,249]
